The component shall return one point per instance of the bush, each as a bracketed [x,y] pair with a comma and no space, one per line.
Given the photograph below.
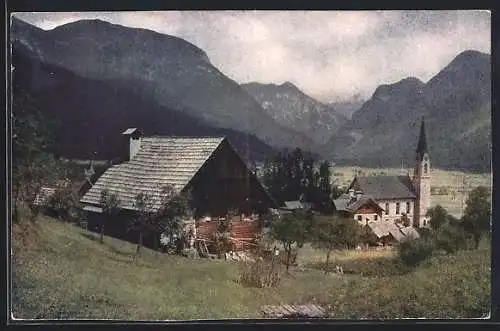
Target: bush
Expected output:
[451,239]
[413,252]
[222,242]
[259,274]
[64,204]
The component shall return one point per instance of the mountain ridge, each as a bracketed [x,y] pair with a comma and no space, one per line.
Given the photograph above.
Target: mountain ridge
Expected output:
[178,78]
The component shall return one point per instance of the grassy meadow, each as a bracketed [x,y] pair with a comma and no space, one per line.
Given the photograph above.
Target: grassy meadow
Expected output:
[60,271]
[448,188]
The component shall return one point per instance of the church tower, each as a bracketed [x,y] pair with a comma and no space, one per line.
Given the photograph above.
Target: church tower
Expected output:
[422,180]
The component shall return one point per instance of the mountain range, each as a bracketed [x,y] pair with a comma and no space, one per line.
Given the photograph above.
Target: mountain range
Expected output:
[456,105]
[99,78]
[292,108]
[170,71]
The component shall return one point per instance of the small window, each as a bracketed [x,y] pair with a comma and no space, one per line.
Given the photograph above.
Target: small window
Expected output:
[375,217]
[387,209]
[425,222]
[425,168]
[360,218]
[397,208]
[407,208]
[387,220]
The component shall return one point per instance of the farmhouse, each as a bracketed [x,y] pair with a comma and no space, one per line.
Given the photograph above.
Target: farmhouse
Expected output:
[208,168]
[395,196]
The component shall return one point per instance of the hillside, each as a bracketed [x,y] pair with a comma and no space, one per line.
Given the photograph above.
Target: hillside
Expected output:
[172,72]
[456,104]
[291,107]
[61,271]
[91,114]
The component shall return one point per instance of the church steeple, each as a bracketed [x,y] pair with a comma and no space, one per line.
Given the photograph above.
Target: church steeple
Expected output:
[422,142]
[422,180]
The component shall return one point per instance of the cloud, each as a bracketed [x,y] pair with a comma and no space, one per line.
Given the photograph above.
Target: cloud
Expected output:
[328,54]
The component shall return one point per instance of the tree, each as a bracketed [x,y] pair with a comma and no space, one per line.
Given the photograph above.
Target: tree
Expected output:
[173,207]
[290,230]
[334,233]
[367,236]
[33,164]
[438,216]
[450,238]
[63,203]
[325,188]
[414,252]
[145,214]
[110,207]
[477,215]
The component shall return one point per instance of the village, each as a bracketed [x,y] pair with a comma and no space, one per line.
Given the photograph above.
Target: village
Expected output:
[151,182]
[195,197]
[224,191]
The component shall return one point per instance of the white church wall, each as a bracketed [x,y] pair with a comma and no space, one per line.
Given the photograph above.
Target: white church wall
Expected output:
[392,214]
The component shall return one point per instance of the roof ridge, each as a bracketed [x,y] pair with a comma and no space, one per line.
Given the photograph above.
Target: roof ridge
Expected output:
[185,137]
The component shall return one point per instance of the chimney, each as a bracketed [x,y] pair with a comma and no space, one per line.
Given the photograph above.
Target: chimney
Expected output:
[351,193]
[358,195]
[133,137]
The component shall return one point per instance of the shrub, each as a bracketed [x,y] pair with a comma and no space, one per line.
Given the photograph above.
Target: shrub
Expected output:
[260,273]
[451,238]
[64,204]
[413,252]
[222,242]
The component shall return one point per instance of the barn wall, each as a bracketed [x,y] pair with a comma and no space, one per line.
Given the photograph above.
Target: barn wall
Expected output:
[119,228]
[225,183]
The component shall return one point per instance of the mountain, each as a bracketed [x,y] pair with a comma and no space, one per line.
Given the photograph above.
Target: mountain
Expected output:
[175,73]
[291,107]
[347,107]
[90,114]
[456,104]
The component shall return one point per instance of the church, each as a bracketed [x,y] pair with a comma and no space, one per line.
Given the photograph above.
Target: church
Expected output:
[391,198]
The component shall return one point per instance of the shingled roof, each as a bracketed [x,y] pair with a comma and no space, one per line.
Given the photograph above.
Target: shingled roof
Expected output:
[160,161]
[385,187]
[351,205]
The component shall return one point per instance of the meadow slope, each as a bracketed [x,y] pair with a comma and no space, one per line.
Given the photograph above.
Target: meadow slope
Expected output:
[62,271]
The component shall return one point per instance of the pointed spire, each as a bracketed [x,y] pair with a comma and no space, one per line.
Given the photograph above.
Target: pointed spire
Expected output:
[422,142]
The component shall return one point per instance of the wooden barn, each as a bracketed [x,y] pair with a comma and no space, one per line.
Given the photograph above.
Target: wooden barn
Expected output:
[209,168]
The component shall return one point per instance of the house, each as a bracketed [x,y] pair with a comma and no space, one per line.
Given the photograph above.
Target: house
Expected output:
[296,206]
[389,233]
[396,195]
[363,208]
[207,167]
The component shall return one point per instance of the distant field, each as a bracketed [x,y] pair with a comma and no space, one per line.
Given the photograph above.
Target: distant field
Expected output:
[449,183]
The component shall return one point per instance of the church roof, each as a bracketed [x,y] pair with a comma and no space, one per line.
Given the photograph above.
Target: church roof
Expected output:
[385,187]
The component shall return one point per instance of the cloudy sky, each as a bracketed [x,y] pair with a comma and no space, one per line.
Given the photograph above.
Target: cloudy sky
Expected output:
[328,54]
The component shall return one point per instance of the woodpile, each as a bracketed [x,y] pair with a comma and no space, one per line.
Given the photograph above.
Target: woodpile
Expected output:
[290,311]
[243,233]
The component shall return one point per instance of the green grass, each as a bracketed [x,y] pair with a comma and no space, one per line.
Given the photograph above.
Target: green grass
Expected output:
[64,272]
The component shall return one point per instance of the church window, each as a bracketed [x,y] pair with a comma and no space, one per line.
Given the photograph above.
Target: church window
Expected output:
[387,209]
[375,217]
[407,207]
[425,168]
[397,208]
